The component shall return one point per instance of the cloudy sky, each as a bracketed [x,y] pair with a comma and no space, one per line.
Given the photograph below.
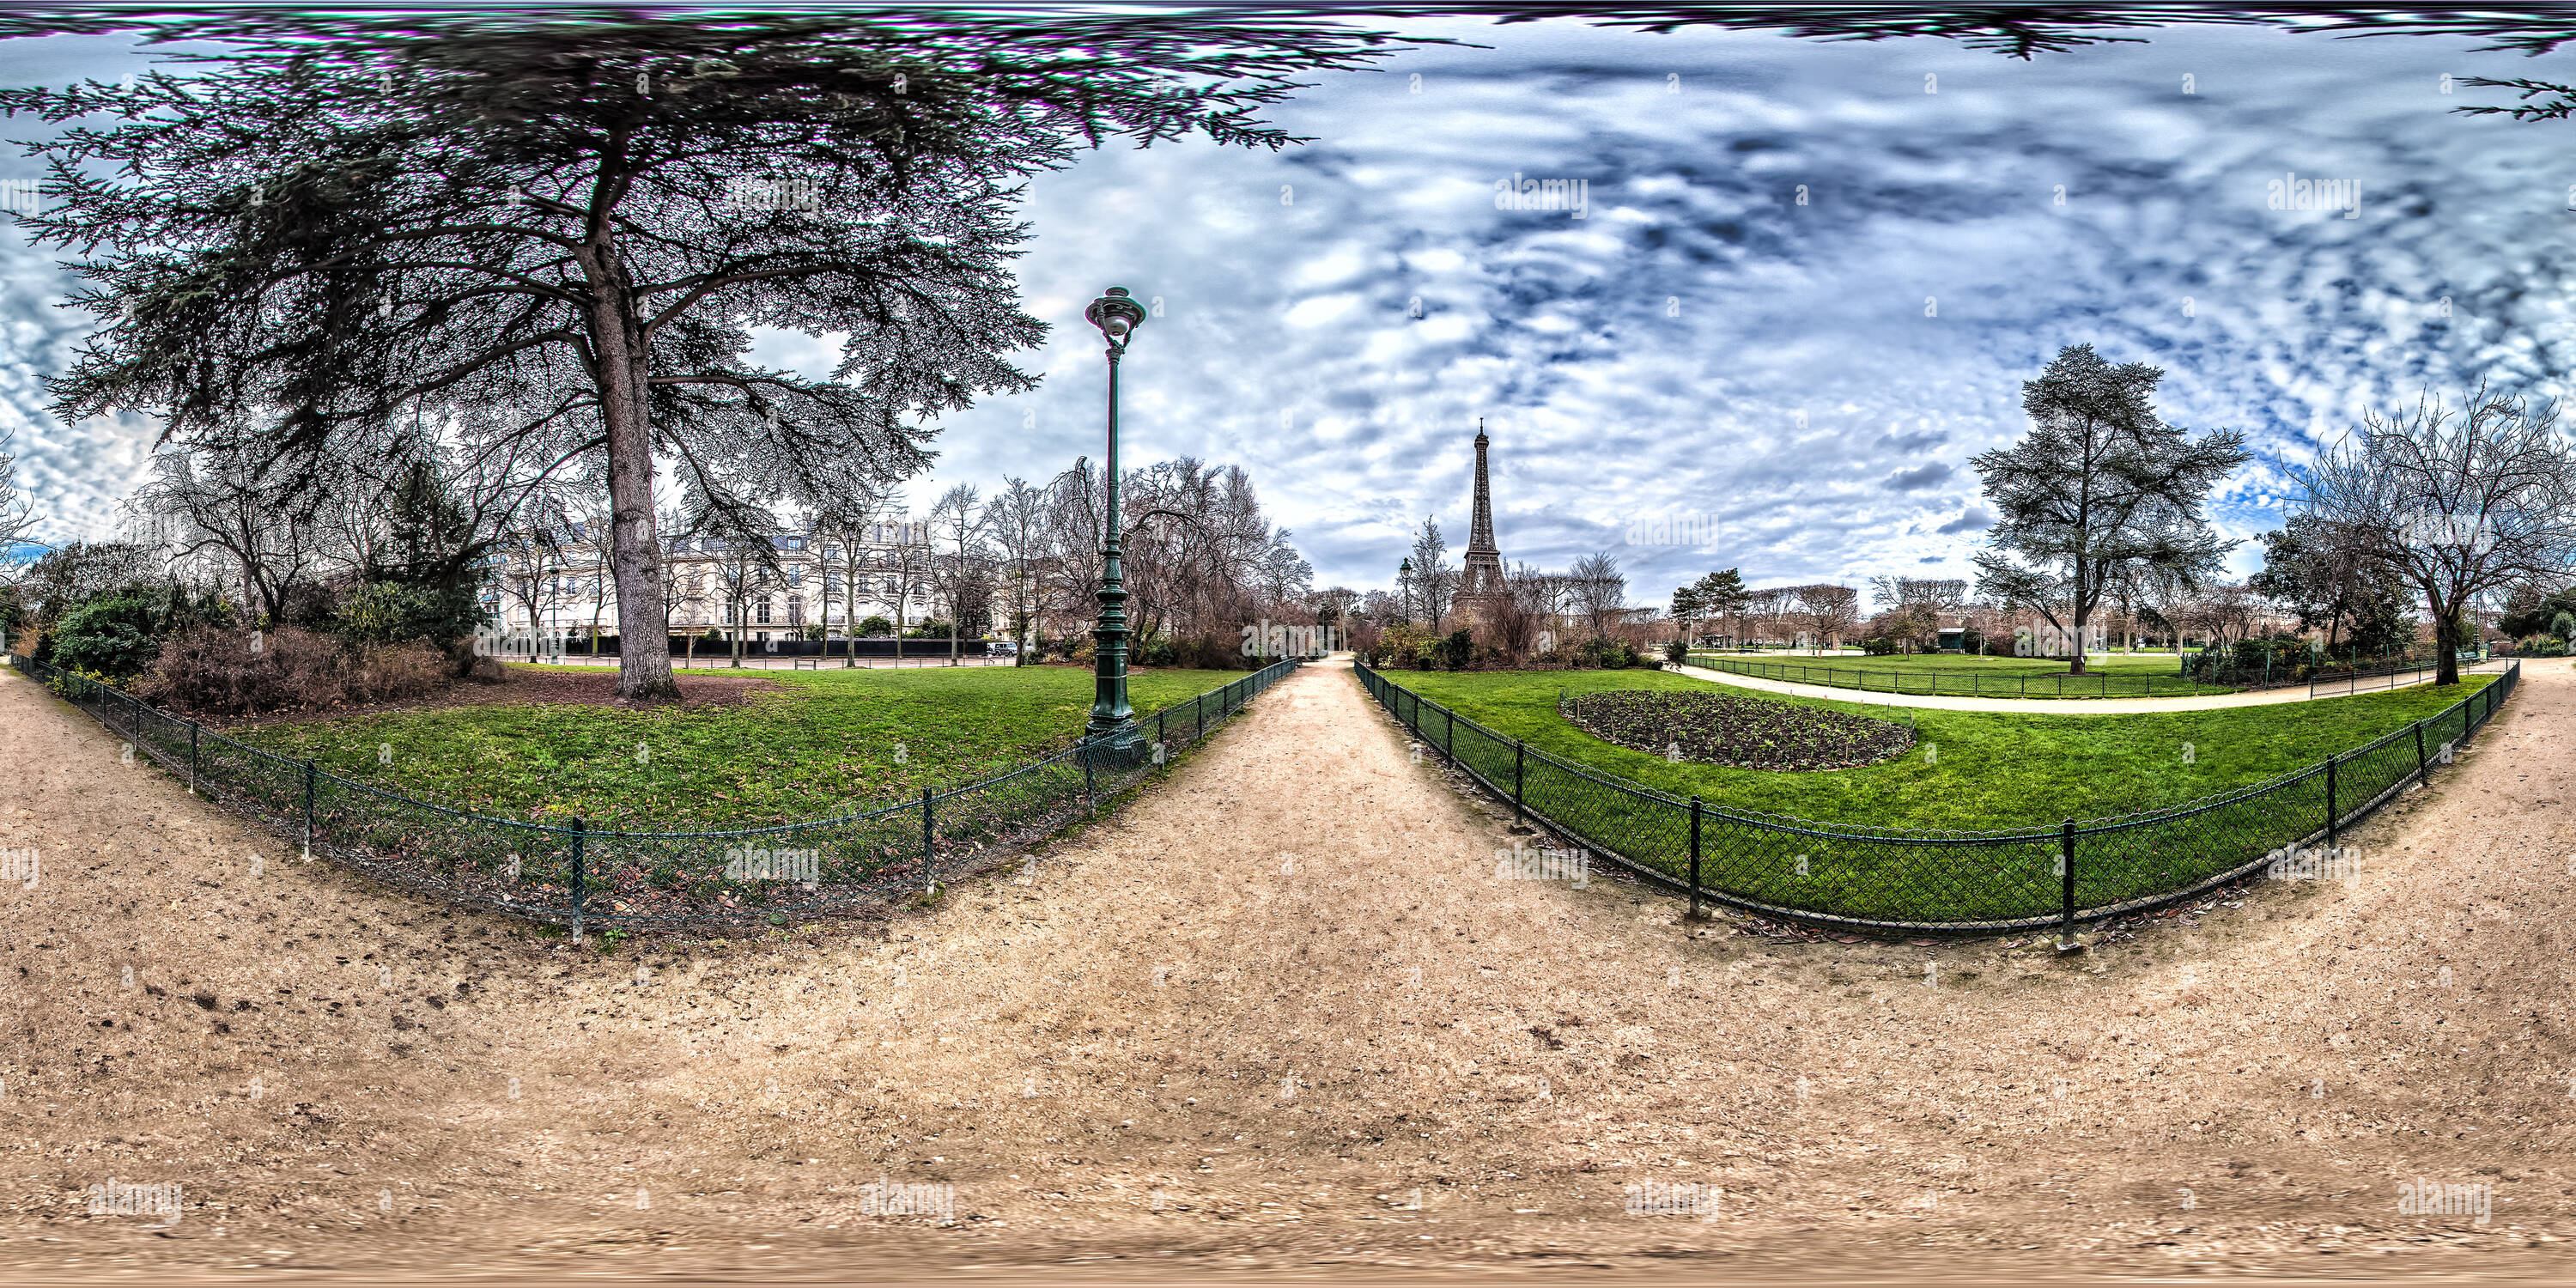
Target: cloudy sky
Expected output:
[1797,381]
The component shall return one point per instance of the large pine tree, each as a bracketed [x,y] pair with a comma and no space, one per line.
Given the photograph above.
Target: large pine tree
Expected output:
[560,234]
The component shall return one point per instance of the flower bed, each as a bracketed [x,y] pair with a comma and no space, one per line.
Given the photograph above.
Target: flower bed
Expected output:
[1740,733]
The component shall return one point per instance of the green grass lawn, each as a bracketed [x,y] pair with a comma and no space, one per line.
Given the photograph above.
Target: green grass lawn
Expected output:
[1970,771]
[829,740]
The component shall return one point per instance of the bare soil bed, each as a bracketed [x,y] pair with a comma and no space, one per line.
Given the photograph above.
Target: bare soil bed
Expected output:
[1276,1020]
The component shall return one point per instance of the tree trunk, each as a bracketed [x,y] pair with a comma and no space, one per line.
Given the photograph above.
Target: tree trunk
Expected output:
[621,368]
[2446,646]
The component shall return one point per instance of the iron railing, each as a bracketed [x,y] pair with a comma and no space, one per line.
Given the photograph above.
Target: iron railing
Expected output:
[1888,879]
[569,873]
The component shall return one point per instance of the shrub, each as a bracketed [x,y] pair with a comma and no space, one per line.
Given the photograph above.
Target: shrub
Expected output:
[1457,651]
[110,637]
[213,671]
[928,630]
[1878,646]
[876,628]
[1677,652]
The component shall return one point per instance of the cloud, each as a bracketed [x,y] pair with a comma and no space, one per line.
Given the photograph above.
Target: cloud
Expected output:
[1801,285]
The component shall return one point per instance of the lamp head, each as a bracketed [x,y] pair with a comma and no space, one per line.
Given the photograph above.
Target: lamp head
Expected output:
[1116,315]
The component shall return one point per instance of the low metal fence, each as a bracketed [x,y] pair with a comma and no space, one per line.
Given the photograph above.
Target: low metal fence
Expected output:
[1971,682]
[569,873]
[1888,879]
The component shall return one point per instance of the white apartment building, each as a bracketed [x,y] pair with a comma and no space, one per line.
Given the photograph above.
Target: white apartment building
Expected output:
[566,585]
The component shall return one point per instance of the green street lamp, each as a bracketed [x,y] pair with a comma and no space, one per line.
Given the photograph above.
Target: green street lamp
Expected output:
[1404,579]
[1112,721]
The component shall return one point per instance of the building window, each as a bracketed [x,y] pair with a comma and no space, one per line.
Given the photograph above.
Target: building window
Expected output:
[795,610]
[760,611]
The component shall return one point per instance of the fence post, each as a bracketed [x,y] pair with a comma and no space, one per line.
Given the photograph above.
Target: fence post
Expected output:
[1449,735]
[1695,913]
[193,756]
[1520,750]
[2066,862]
[2331,811]
[2420,769]
[580,878]
[1090,802]
[308,809]
[928,853]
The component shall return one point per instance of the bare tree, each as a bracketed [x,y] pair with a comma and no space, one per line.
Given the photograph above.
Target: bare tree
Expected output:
[1435,581]
[958,517]
[846,525]
[1017,519]
[1599,590]
[2461,501]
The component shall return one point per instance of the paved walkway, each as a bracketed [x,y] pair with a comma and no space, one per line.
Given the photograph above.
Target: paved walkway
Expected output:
[2045,706]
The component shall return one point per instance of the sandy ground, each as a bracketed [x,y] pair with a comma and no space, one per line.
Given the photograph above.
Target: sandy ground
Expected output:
[2056,706]
[1277,1021]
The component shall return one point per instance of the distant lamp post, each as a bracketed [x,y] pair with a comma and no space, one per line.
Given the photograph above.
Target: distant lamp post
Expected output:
[1404,580]
[1112,720]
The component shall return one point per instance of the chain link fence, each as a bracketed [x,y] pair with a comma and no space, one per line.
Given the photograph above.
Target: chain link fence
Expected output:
[1973,682]
[570,874]
[1890,880]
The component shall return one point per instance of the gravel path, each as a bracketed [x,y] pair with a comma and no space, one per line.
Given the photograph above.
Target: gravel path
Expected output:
[1248,1025]
[2040,706]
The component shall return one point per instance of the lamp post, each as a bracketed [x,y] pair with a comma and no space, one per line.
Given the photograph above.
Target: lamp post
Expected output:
[1112,720]
[1404,581]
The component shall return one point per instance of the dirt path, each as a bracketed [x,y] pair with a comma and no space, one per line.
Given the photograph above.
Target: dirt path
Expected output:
[2043,706]
[1247,1025]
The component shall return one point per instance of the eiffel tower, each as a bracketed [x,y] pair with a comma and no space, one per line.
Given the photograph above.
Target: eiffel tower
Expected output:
[1484,572]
